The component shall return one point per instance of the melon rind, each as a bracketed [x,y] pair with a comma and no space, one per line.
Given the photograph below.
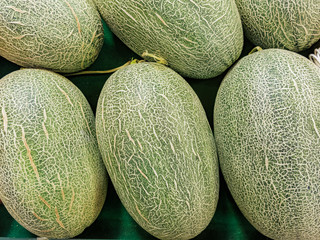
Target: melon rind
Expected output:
[60,35]
[198,39]
[267,124]
[52,177]
[159,150]
[292,25]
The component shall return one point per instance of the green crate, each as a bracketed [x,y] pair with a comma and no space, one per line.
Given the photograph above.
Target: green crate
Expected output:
[114,222]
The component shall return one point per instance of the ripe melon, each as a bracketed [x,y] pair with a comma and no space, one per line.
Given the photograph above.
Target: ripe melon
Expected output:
[289,24]
[159,150]
[267,129]
[52,177]
[61,35]
[198,39]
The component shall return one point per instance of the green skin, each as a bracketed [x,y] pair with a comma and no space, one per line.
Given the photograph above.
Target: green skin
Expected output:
[52,177]
[159,150]
[198,39]
[289,24]
[60,35]
[267,129]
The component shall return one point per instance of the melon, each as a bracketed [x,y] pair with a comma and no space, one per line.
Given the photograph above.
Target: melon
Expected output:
[52,177]
[267,130]
[198,39]
[289,24]
[60,35]
[159,150]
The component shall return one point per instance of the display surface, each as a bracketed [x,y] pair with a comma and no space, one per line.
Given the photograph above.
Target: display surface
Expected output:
[114,222]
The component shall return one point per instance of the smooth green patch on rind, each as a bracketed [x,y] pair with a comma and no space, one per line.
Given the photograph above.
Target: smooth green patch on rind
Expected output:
[52,177]
[159,150]
[267,129]
[60,35]
[293,25]
[198,39]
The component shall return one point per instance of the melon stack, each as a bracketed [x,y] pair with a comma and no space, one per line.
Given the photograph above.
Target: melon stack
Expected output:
[151,133]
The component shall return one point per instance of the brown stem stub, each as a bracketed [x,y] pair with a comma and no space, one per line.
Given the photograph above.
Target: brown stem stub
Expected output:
[256,49]
[158,59]
[315,57]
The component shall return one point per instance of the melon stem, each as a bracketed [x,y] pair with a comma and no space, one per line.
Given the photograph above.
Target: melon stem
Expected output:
[315,57]
[133,61]
[160,60]
[256,49]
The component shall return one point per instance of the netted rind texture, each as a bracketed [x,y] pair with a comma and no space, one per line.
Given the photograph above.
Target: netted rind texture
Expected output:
[60,35]
[267,129]
[52,177]
[288,24]
[198,39]
[159,150]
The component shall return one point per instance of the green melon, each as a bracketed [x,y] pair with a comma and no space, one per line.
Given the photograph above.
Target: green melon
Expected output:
[293,25]
[61,35]
[198,39]
[159,150]
[267,129]
[52,177]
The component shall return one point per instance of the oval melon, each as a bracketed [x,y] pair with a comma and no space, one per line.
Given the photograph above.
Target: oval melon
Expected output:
[52,177]
[60,35]
[267,129]
[159,150]
[198,39]
[293,25]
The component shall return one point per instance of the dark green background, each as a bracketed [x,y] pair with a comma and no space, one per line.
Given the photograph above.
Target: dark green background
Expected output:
[114,222]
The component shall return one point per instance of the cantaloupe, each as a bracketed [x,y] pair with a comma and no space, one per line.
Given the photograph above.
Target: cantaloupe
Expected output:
[293,25]
[60,35]
[52,178]
[198,39]
[159,150]
[267,130]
